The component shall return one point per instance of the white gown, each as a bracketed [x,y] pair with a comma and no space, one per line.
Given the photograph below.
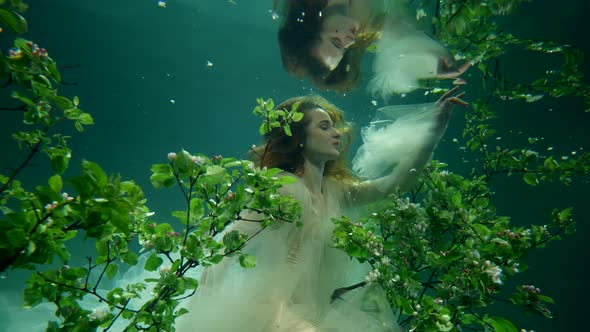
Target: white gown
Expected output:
[298,269]
[290,288]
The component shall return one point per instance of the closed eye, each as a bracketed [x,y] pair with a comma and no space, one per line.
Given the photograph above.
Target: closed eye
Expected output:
[325,125]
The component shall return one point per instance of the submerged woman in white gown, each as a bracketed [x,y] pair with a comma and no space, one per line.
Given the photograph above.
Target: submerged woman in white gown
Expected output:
[292,287]
[325,40]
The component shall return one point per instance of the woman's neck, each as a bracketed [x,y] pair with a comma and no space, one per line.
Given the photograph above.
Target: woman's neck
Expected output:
[313,176]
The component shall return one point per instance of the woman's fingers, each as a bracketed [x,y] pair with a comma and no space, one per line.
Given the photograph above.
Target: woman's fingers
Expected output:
[464,67]
[449,93]
[447,72]
[458,101]
[449,98]
[459,81]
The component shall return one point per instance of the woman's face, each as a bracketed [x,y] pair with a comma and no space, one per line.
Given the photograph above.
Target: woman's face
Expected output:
[322,139]
[337,34]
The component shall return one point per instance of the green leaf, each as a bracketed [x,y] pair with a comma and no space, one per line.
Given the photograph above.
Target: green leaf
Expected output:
[130,258]
[59,163]
[16,237]
[263,130]
[112,271]
[33,296]
[196,208]
[501,324]
[181,215]
[372,48]
[270,105]
[23,98]
[456,199]
[287,130]
[162,180]
[214,174]
[13,20]
[63,102]
[95,173]
[31,248]
[55,183]
[85,119]
[545,298]
[153,262]
[247,261]
[297,116]
[531,179]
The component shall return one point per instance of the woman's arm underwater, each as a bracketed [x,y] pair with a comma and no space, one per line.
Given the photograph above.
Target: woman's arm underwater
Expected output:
[406,172]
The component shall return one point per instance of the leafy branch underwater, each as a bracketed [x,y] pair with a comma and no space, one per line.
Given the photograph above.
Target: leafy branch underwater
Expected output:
[442,253]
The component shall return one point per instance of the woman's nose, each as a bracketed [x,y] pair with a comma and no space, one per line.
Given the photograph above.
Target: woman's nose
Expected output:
[337,133]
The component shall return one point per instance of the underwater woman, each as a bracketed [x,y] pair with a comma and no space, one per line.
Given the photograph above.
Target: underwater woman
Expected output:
[325,40]
[298,269]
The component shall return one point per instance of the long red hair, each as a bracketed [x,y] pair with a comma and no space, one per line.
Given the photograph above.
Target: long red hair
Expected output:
[286,152]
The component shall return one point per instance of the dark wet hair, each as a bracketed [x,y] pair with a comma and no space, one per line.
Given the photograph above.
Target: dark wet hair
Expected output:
[299,34]
[286,152]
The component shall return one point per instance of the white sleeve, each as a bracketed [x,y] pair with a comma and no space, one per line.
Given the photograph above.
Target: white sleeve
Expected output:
[404,56]
[397,145]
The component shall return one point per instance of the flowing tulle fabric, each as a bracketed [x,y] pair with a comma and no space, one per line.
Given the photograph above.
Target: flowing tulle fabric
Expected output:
[395,132]
[290,288]
[404,56]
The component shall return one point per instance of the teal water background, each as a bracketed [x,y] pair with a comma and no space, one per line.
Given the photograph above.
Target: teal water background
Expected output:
[142,72]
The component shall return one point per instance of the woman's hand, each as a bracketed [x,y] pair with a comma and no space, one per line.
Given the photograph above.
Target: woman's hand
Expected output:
[448,100]
[446,70]
[445,105]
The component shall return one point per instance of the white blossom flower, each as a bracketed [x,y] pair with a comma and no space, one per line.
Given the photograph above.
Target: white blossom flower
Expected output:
[164,269]
[495,273]
[199,160]
[172,156]
[372,276]
[98,314]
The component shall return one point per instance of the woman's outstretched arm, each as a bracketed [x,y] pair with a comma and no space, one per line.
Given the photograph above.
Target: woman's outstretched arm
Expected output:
[407,171]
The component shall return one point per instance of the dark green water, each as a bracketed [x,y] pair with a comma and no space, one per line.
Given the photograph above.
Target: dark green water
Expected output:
[132,58]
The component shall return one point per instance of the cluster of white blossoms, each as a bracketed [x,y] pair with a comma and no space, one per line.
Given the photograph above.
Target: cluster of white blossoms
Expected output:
[405,204]
[49,207]
[494,271]
[375,247]
[98,314]
[531,289]
[199,160]
[444,173]
[372,276]
[164,270]
[396,278]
